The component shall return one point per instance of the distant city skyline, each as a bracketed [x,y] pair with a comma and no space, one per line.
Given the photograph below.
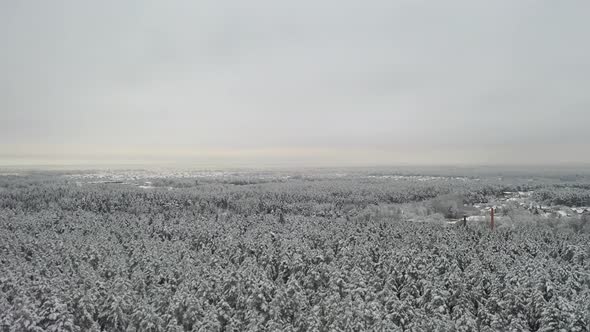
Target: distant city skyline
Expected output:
[306,83]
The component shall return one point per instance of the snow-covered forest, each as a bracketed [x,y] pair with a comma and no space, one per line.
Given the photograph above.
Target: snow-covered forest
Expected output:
[280,251]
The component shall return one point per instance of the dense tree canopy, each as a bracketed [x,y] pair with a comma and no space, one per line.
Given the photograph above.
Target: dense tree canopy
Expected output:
[290,255]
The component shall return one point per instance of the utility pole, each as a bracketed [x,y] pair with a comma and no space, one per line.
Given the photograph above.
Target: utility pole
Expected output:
[492,215]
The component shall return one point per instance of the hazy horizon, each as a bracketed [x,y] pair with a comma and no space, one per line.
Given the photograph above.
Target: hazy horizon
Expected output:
[308,83]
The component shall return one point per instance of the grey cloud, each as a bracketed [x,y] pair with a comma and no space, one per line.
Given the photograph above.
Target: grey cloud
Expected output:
[378,75]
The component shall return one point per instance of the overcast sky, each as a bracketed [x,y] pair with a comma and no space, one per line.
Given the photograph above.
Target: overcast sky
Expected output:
[305,82]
